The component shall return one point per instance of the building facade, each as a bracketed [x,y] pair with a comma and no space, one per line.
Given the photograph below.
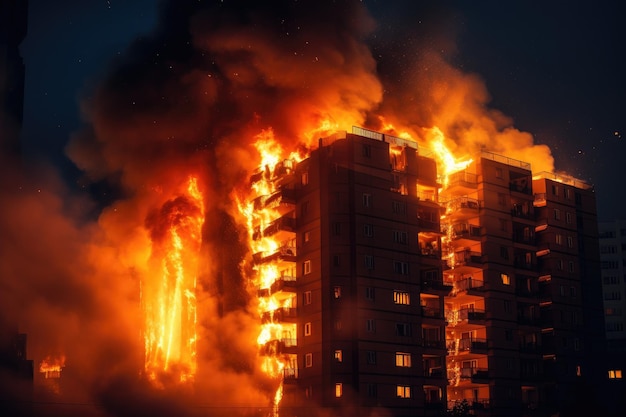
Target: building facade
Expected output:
[396,296]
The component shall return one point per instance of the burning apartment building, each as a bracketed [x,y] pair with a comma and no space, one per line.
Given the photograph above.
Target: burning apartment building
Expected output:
[385,286]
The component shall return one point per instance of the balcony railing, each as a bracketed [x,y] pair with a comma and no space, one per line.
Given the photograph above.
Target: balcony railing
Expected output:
[456,316]
[433,343]
[433,312]
[464,179]
[468,284]
[290,373]
[464,203]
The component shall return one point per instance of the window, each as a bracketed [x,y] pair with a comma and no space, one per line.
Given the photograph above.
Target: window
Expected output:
[398,207]
[400,236]
[506,279]
[335,260]
[615,374]
[559,239]
[337,229]
[367,151]
[401,297]
[308,360]
[403,329]
[338,324]
[305,178]
[368,230]
[403,359]
[571,266]
[304,208]
[306,267]
[578,370]
[338,389]
[371,357]
[570,242]
[559,264]
[369,293]
[557,214]
[369,262]
[400,267]
[337,291]
[504,252]
[503,225]
[568,193]
[555,190]
[501,199]
[572,292]
[307,297]
[339,355]
[507,306]
[403,391]
[367,200]
[372,390]
[306,237]
[568,217]
[307,329]
[370,325]
[499,173]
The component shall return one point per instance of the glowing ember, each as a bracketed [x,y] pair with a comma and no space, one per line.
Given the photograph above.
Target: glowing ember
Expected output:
[168,295]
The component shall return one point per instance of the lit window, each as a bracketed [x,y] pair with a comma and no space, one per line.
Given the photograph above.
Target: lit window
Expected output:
[308,360]
[307,237]
[306,267]
[615,374]
[337,292]
[307,329]
[339,355]
[506,279]
[305,178]
[307,297]
[401,297]
[403,359]
[498,172]
[403,391]
[338,389]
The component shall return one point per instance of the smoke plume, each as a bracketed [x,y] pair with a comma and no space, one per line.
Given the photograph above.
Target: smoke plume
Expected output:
[189,100]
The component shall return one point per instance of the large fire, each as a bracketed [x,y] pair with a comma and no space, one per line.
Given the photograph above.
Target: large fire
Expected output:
[169,295]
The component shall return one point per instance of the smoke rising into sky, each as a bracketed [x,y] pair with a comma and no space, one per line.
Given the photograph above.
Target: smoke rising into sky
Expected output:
[189,100]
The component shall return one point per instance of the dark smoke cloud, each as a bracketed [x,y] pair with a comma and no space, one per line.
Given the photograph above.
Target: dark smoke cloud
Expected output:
[189,100]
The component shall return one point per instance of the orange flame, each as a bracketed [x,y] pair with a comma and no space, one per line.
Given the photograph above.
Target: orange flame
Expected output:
[51,367]
[169,296]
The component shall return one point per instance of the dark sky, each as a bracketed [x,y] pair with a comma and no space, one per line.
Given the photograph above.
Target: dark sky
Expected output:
[554,67]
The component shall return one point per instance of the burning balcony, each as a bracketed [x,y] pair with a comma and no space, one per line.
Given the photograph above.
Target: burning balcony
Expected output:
[465,233]
[467,345]
[290,375]
[282,169]
[463,180]
[283,314]
[285,253]
[285,223]
[283,197]
[466,258]
[471,286]
[463,207]
[465,315]
[279,346]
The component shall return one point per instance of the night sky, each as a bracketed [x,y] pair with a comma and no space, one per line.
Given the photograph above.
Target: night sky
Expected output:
[553,67]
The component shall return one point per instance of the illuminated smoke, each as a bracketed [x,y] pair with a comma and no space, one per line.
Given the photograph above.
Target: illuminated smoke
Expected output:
[189,101]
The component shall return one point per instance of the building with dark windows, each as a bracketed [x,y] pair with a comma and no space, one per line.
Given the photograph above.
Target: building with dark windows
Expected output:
[410,293]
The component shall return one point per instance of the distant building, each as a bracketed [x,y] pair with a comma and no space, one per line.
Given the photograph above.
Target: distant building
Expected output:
[13,23]
[386,304]
[613,264]
[16,373]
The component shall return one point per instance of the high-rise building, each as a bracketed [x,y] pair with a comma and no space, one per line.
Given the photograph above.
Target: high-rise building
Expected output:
[389,293]
[613,269]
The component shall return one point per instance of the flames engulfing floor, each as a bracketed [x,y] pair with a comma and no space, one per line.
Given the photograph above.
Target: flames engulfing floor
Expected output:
[172,128]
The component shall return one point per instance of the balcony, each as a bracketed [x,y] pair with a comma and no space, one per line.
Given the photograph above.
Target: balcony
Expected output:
[285,223]
[435,286]
[463,180]
[467,315]
[540,200]
[464,206]
[466,260]
[284,314]
[434,343]
[426,225]
[285,253]
[434,372]
[290,375]
[432,312]
[470,286]
[277,347]
[471,345]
